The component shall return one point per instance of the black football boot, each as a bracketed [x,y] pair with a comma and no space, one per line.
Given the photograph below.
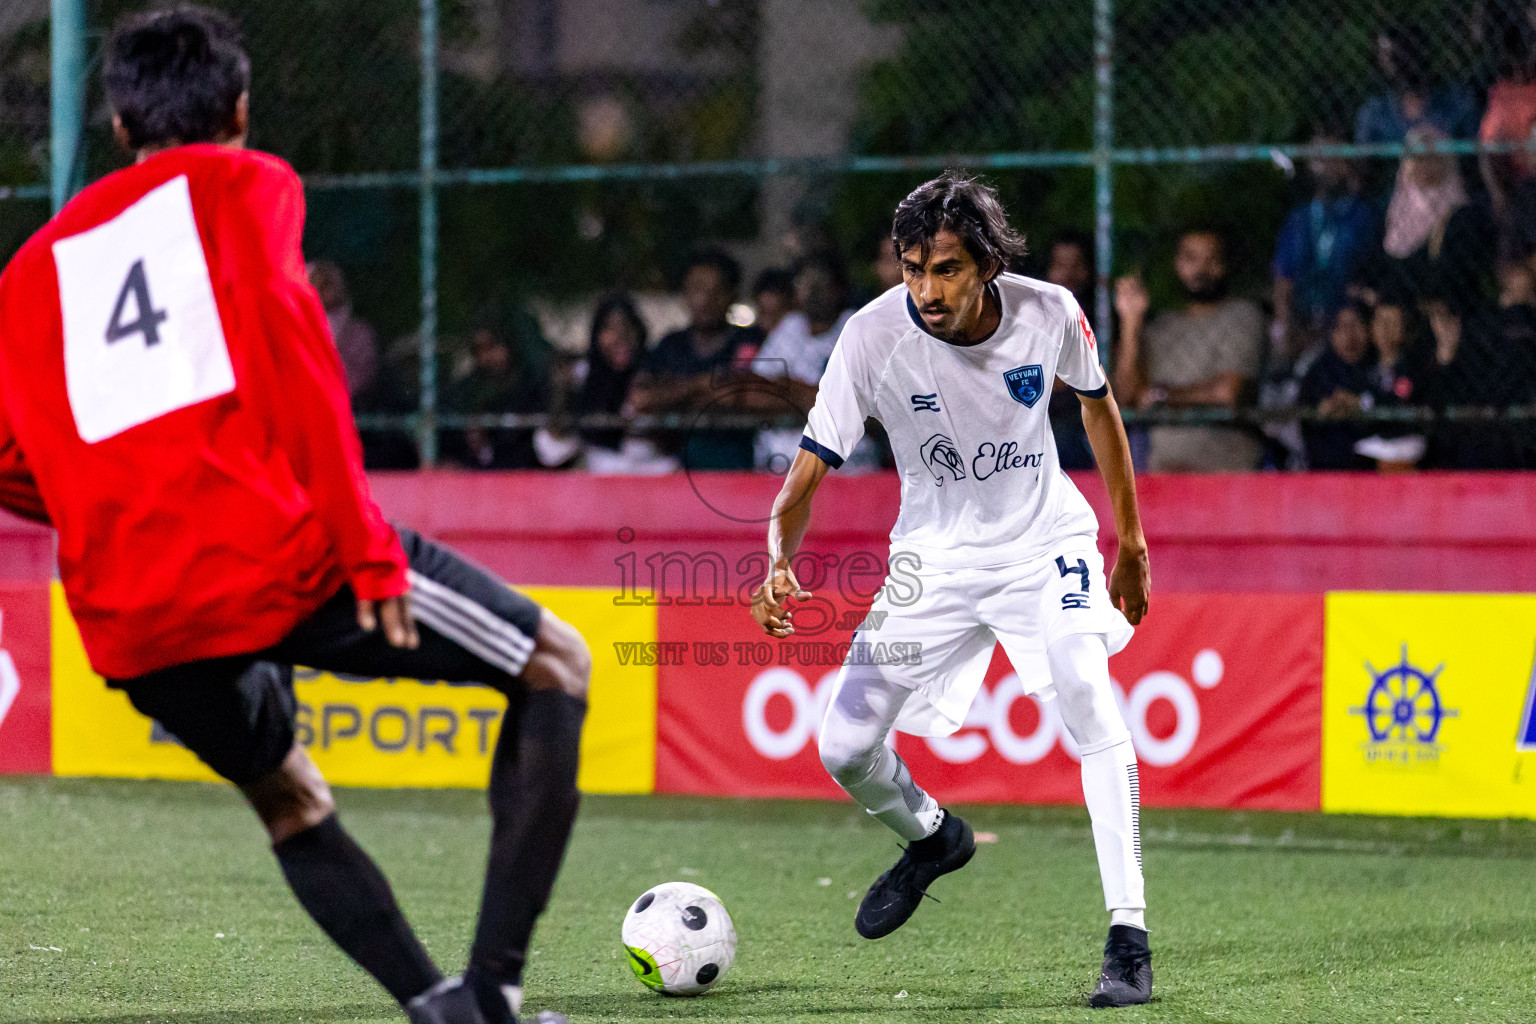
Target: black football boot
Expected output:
[1126,977]
[895,895]
[452,1002]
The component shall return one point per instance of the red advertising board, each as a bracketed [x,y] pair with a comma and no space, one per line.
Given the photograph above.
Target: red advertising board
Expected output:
[25,682]
[1222,694]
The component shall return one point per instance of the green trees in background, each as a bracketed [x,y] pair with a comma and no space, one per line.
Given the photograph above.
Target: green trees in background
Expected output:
[336,92]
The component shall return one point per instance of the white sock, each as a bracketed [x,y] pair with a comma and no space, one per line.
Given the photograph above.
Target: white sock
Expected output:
[1113,794]
[514,996]
[1132,918]
[892,798]
[1111,787]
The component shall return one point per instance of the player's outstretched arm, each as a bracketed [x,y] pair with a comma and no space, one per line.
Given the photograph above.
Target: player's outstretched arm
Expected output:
[786,531]
[1130,584]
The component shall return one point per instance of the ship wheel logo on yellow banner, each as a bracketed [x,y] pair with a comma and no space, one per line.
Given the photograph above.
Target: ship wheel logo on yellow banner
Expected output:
[1403,713]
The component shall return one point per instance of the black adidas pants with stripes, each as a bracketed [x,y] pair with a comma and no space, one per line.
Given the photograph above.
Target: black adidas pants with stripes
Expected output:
[238,715]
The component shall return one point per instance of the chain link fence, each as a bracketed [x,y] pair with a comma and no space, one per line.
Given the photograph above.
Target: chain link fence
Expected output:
[1364,166]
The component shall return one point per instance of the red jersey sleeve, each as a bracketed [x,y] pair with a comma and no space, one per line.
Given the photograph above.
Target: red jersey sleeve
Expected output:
[298,382]
[18,490]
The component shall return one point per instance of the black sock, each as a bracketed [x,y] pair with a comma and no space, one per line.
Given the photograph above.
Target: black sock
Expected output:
[349,898]
[533,806]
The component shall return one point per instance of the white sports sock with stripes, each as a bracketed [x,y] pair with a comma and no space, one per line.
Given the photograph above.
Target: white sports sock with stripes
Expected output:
[1113,794]
[1111,785]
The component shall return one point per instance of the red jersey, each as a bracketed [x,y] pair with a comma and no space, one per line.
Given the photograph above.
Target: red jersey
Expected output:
[171,401]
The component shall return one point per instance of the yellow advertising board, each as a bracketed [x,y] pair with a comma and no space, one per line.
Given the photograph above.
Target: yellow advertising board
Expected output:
[1427,704]
[383,732]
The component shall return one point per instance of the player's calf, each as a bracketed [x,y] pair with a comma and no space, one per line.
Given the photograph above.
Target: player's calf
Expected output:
[533,799]
[293,798]
[334,880]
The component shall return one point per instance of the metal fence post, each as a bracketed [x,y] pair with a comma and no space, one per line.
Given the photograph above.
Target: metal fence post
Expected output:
[1103,171]
[66,95]
[427,428]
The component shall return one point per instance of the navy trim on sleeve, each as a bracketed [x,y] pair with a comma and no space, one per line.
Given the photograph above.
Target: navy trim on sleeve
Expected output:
[1098,392]
[822,452]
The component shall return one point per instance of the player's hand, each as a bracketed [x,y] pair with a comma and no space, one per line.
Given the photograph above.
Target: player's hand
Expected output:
[393,616]
[1130,585]
[768,607]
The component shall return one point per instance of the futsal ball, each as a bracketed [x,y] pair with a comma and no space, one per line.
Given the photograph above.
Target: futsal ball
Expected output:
[679,939]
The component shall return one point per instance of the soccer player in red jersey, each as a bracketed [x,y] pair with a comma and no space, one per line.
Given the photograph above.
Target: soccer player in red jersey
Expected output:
[172,403]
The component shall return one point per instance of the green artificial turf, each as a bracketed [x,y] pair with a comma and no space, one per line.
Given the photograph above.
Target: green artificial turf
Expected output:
[123,902]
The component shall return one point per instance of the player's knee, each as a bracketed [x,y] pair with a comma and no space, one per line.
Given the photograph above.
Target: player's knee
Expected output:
[561,658]
[292,799]
[1089,712]
[848,764]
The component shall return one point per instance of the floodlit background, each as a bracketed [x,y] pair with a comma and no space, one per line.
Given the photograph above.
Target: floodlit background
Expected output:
[499,165]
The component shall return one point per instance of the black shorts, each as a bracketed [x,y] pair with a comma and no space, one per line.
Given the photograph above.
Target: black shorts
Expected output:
[237,713]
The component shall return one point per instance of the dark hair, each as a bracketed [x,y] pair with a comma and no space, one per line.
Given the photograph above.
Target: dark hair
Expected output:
[722,261]
[776,280]
[824,260]
[1077,239]
[1413,49]
[968,207]
[1210,231]
[1355,306]
[176,75]
[621,303]
[606,387]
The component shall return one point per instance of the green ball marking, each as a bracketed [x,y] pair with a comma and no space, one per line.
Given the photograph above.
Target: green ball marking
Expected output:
[644,966]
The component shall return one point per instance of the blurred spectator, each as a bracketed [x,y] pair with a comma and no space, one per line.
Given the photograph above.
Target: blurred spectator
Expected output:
[1338,385]
[1397,373]
[678,375]
[355,339]
[887,266]
[1480,360]
[1070,265]
[499,381]
[1397,377]
[773,293]
[1323,246]
[1439,244]
[793,359]
[1412,97]
[1511,117]
[1207,355]
[372,382]
[617,345]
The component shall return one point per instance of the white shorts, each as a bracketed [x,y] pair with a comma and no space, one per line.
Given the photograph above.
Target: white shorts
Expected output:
[946,635]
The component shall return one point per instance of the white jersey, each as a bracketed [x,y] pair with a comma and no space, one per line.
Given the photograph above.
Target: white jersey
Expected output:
[969,425]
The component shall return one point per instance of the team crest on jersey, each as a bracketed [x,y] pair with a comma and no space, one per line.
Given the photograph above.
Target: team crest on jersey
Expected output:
[941,456]
[1026,384]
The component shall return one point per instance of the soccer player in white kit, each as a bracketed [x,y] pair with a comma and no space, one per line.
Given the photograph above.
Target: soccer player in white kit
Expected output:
[958,367]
